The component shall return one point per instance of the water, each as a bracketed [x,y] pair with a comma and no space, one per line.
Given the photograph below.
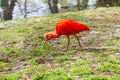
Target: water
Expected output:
[39,8]
[74,2]
[92,4]
[34,8]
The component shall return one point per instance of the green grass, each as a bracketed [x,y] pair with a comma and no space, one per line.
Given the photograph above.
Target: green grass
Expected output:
[10,77]
[108,67]
[64,58]
[83,70]
[51,76]
[100,78]
[23,56]
[2,65]
[84,62]
[113,42]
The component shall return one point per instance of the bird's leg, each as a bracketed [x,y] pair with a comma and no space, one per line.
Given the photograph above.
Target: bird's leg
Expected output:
[78,41]
[65,49]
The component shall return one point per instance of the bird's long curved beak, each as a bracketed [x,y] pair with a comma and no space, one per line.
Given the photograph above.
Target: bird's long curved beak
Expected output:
[44,43]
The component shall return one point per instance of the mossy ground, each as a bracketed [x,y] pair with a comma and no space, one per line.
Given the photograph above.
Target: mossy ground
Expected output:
[23,58]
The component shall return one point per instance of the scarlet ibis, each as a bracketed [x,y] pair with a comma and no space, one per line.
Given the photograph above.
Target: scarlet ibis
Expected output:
[67,27]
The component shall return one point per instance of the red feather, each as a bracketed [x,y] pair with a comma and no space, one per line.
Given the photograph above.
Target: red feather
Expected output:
[67,27]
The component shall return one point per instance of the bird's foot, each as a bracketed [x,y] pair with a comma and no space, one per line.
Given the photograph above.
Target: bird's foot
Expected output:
[81,47]
[63,50]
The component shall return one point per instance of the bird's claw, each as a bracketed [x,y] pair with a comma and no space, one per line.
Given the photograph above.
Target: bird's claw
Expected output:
[63,50]
[81,47]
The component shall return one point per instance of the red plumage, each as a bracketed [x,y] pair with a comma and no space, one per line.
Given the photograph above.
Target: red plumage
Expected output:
[67,27]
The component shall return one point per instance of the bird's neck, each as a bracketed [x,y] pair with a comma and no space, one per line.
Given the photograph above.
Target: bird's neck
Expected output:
[55,35]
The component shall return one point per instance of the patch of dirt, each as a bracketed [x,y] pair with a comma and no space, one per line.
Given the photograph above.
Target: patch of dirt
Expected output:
[117,31]
[18,66]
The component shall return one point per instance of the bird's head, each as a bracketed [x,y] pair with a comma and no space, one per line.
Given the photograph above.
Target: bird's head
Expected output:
[49,36]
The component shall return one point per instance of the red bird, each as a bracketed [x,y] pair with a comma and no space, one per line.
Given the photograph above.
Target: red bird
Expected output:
[67,27]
